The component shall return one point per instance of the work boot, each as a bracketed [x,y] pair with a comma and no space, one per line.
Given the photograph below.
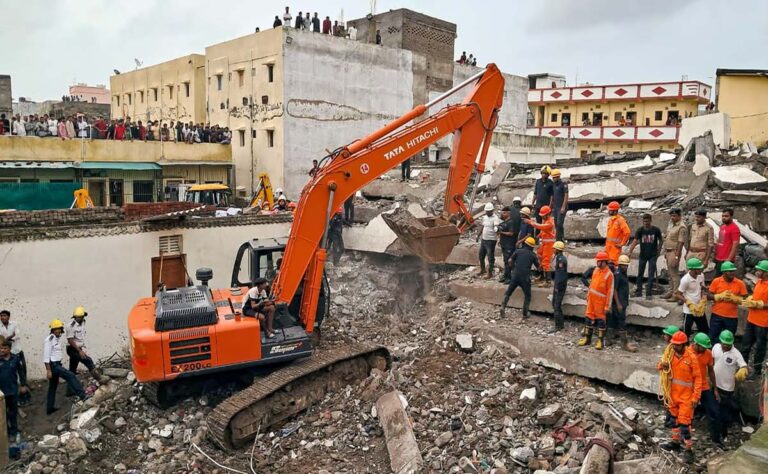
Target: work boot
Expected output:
[481,271]
[688,456]
[97,375]
[503,307]
[489,275]
[670,445]
[525,311]
[586,336]
[628,345]
[609,336]
[600,342]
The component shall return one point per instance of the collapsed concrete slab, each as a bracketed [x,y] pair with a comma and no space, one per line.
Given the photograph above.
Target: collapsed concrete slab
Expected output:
[738,177]
[594,226]
[718,124]
[750,458]
[589,170]
[390,189]
[404,454]
[745,195]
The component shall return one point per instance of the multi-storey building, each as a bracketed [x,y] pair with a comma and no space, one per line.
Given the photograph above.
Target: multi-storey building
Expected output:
[98,94]
[743,95]
[614,118]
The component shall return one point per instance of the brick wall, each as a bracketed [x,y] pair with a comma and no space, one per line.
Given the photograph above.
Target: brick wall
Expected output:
[138,211]
[60,217]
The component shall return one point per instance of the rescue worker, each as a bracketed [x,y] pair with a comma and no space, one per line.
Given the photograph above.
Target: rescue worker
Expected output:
[677,236]
[727,292]
[508,230]
[730,367]
[13,380]
[53,352]
[525,229]
[599,279]
[561,284]
[75,333]
[617,234]
[10,331]
[542,192]
[668,332]
[489,227]
[335,236]
[281,204]
[522,261]
[546,241]
[701,238]
[756,332]
[559,203]
[690,294]
[684,393]
[701,349]
[617,321]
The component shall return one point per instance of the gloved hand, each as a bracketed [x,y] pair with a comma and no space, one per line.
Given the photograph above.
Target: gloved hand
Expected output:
[697,309]
[753,304]
[721,296]
[741,374]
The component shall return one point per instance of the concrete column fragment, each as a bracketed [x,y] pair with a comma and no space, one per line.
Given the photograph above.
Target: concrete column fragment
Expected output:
[404,454]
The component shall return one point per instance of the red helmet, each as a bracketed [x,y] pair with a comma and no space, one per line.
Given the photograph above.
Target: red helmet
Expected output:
[601,255]
[679,338]
[545,210]
[614,206]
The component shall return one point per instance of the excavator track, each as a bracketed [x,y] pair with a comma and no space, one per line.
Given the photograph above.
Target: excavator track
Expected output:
[288,391]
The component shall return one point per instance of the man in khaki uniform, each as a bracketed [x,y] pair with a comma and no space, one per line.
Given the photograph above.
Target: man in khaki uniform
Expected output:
[674,240]
[702,239]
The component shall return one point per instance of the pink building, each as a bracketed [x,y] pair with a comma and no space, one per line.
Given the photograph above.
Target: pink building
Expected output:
[98,94]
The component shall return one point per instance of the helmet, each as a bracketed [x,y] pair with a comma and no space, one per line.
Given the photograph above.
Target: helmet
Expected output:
[555,172]
[614,206]
[545,211]
[526,211]
[546,169]
[679,338]
[281,198]
[79,312]
[559,245]
[727,267]
[56,324]
[623,260]
[601,255]
[703,340]
[517,199]
[671,330]
[291,205]
[694,264]
[488,207]
[762,265]
[726,337]
[530,241]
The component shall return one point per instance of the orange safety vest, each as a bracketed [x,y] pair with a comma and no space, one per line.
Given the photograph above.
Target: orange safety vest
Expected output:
[547,242]
[686,377]
[759,317]
[616,236]
[600,293]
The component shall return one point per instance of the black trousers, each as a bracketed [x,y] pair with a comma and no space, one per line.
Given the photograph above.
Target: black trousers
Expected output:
[487,248]
[755,336]
[12,414]
[718,324]
[559,223]
[405,169]
[558,292]
[335,246]
[617,320]
[507,252]
[701,324]
[524,284]
[711,408]
[726,412]
[641,264]
[349,210]
[75,360]
[58,371]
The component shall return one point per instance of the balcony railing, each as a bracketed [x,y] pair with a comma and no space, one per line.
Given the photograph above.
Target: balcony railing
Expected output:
[623,134]
[625,92]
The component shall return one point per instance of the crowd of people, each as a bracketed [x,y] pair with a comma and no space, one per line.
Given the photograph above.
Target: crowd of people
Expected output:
[76,98]
[303,21]
[470,60]
[81,126]
[700,366]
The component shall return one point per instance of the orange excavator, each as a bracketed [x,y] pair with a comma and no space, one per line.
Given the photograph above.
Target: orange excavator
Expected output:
[196,331]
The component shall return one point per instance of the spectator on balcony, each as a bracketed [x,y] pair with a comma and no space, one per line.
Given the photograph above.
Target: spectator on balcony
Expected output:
[165,133]
[119,133]
[100,128]
[142,131]
[315,23]
[82,127]
[586,122]
[61,129]
[622,122]
[287,17]
[327,27]
[463,58]
[71,127]
[299,22]
[151,130]
[277,23]
[52,126]
[180,126]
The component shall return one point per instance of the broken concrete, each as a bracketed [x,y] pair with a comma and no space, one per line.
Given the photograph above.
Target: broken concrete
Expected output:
[598,458]
[390,189]
[750,458]
[719,125]
[738,177]
[404,454]
[745,195]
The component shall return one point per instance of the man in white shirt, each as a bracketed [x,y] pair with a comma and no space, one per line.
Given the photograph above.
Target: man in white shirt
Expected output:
[19,127]
[690,294]
[487,237]
[287,17]
[53,127]
[730,367]
[53,352]
[9,330]
[82,127]
[256,303]
[75,334]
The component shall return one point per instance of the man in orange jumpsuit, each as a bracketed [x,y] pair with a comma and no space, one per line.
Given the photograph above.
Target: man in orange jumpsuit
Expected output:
[546,240]
[617,235]
[685,392]
[599,300]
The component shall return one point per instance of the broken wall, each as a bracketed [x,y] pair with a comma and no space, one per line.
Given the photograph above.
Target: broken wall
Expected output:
[519,148]
[5,95]
[719,124]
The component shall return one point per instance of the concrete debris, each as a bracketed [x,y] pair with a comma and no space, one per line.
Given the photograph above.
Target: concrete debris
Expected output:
[404,454]
[630,413]
[549,414]
[48,442]
[738,177]
[465,342]
[528,394]
[598,458]
[84,419]
[702,164]
[745,195]
[443,439]
[116,372]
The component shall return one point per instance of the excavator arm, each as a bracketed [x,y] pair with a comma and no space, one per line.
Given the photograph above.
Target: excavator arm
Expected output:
[350,168]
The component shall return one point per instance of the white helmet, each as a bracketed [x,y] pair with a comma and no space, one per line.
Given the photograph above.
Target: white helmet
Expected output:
[517,199]
[488,207]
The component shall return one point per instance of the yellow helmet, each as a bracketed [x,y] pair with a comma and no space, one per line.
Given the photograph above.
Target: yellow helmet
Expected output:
[555,172]
[79,312]
[559,245]
[546,169]
[56,324]
[530,241]
[623,260]
[526,211]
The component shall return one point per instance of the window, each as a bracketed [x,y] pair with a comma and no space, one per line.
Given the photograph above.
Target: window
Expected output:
[29,180]
[253,72]
[154,90]
[270,73]
[142,191]
[170,92]
[245,101]
[128,98]
[219,82]
[553,118]
[141,96]
[253,133]
[60,181]
[186,92]
[242,137]
[265,99]
[658,115]
[584,117]
[117,99]
[170,244]
[631,106]
[240,78]
[270,138]
[566,120]
[617,116]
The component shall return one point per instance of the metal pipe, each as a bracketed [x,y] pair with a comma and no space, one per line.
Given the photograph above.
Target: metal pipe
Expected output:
[324,241]
[452,91]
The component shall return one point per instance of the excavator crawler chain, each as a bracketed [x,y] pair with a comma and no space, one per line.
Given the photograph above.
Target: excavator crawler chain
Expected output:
[288,391]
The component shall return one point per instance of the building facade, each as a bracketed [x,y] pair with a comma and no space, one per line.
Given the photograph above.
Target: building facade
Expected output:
[98,94]
[615,118]
[743,95]
[5,95]
[173,90]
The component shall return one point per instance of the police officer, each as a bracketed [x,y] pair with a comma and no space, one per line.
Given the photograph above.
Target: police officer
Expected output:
[10,331]
[561,283]
[52,355]
[522,261]
[75,334]
[13,379]
[617,320]
[508,230]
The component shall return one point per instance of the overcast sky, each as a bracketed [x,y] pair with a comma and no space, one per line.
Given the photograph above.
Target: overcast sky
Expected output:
[48,45]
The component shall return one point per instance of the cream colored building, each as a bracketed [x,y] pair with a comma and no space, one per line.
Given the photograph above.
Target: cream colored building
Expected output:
[743,95]
[173,90]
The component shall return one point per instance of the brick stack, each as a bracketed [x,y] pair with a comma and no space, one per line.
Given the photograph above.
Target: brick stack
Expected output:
[138,211]
[60,217]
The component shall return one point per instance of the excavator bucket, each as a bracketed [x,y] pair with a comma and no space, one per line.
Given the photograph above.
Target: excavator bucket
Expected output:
[431,238]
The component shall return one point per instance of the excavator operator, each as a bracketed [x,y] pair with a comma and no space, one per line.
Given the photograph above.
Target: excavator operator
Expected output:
[256,303]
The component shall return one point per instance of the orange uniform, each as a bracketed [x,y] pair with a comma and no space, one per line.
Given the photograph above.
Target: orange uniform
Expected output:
[727,309]
[546,242]
[687,383]
[616,236]
[759,317]
[600,293]
[705,363]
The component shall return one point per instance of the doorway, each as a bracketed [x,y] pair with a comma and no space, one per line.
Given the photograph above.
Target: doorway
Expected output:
[116,192]
[565,120]
[173,268]
[597,119]
[97,189]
